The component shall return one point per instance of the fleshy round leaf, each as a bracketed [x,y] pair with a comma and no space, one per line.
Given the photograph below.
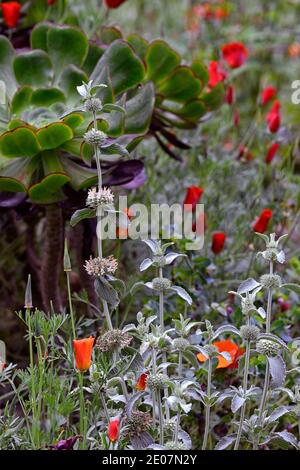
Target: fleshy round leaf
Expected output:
[161,60]
[47,97]
[21,142]
[7,54]
[181,85]
[48,191]
[33,68]
[54,135]
[66,45]
[21,100]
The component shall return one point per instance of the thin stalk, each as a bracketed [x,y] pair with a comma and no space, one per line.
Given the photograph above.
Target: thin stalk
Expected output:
[40,389]
[32,379]
[245,387]
[207,407]
[104,406]
[71,305]
[161,305]
[82,416]
[177,427]
[161,420]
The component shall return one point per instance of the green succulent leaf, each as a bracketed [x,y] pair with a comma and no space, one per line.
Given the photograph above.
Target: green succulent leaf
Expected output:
[21,100]
[21,142]
[47,97]
[70,78]
[182,85]
[33,68]
[66,45]
[47,191]
[7,54]
[161,60]
[54,135]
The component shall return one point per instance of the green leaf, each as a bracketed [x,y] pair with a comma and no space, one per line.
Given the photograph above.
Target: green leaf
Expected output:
[110,34]
[293,287]
[21,142]
[74,120]
[38,37]
[82,214]
[81,176]
[181,85]
[93,55]
[215,98]
[107,108]
[119,67]
[21,100]
[71,77]
[47,97]
[193,110]
[7,54]
[33,68]
[161,60]
[139,44]
[54,135]
[200,71]
[16,174]
[47,191]
[66,45]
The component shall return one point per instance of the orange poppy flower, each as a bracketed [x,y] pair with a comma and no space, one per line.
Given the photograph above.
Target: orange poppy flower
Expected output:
[225,346]
[83,353]
[113,430]
[142,380]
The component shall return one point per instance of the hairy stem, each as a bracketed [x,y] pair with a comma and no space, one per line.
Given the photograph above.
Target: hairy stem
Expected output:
[245,386]
[207,407]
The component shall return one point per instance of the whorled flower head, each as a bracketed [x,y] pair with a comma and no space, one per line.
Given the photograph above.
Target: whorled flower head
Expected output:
[100,266]
[156,381]
[95,137]
[99,198]
[180,344]
[267,347]
[270,281]
[159,260]
[171,445]
[138,423]
[113,340]
[249,333]
[161,283]
[93,105]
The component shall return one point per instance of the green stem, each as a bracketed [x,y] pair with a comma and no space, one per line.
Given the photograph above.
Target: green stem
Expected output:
[245,386]
[40,390]
[207,407]
[32,379]
[82,418]
[71,305]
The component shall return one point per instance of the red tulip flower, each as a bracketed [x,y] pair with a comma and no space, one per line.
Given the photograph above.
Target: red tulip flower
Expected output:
[273,117]
[114,3]
[113,430]
[142,382]
[216,73]
[229,96]
[218,240]
[83,353]
[261,224]
[51,2]
[267,94]
[272,152]
[11,13]
[235,54]
[192,197]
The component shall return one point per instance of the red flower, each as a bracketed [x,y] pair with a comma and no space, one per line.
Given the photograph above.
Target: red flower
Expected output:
[244,154]
[216,73]
[11,13]
[114,3]
[113,430]
[284,305]
[51,2]
[272,152]
[235,54]
[267,94]
[229,97]
[142,381]
[273,117]
[192,197]
[218,240]
[261,224]
[225,346]
[83,352]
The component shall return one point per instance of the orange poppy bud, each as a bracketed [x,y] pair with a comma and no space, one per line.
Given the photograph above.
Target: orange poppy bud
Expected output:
[261,224]
[83,352]
[225,346]
[11,13]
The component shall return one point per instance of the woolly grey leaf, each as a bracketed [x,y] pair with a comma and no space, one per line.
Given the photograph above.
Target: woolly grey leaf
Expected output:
[185,439]
[226,329]
[263,236]
[248,286]
[170,257]
[146,264]
[236,403]
[281,257]
[276,414]
[156,447]
[131,403]
[288,437]
[261,311]
[142,441]
[225,442]
[106,292]
[293,287]
[274,338]
[153,245]
[182,293]
[277,370]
